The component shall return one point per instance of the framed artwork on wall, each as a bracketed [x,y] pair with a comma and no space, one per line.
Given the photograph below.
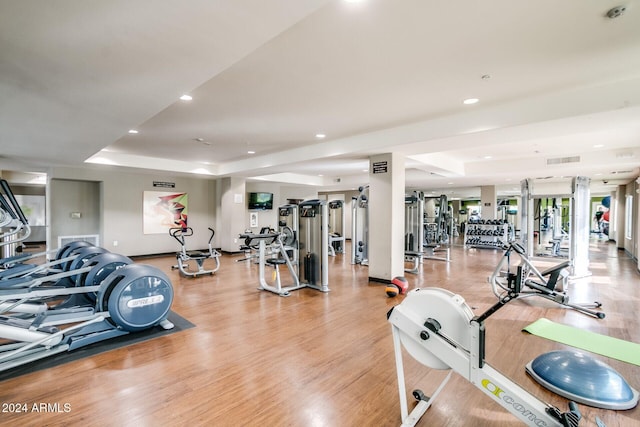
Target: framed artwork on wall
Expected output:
[162,210]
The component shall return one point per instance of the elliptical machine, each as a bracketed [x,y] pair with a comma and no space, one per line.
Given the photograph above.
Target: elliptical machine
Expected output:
[199,257]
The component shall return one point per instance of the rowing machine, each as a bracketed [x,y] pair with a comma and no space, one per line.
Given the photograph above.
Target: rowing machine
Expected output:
[439,330]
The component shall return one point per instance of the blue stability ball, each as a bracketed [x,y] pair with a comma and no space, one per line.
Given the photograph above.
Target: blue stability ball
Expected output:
[583,379]
[606,202]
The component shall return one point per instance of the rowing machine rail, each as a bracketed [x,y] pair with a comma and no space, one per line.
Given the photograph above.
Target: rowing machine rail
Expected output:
[438,329]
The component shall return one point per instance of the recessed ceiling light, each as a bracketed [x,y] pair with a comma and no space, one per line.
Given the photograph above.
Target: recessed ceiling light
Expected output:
[450,183]
[487,157]
[186,97]
[251,152]
[133,131]
[320,174]
[365,170]
[470,101]
[320,135]
[598,146]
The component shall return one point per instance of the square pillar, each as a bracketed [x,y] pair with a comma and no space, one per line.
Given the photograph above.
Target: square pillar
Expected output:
[386,216]
[231,213]
[488,198]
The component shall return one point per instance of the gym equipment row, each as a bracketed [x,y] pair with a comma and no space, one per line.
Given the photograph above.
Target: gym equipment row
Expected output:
[482,243]
[199,257]
[98,294]
[528,281]
[487,221]
[439,330]
[494,232]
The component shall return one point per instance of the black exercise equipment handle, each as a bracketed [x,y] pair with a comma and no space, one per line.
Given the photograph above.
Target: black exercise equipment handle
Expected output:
[249,238]
[179,233]
[212,234]
[12,199]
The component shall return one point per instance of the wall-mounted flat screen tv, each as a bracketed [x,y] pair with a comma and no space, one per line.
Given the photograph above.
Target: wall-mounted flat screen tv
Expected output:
[260,201]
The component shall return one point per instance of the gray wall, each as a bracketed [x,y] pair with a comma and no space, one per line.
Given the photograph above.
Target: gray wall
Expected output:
[80,197]
[119,200]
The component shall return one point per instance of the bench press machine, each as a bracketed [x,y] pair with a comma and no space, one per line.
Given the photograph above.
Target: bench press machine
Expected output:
[550,284]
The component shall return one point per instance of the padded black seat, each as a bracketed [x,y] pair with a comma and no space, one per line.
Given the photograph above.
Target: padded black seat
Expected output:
[276,261]
[412,253]
[197,255]
[556,268]
[554,274]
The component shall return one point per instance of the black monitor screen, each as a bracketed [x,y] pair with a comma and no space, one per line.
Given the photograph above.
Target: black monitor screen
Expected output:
[260,201]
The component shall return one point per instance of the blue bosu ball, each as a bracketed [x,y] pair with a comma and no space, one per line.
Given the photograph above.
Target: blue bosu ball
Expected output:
[583,379]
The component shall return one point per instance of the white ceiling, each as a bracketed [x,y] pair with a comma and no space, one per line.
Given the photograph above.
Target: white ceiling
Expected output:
[375,76]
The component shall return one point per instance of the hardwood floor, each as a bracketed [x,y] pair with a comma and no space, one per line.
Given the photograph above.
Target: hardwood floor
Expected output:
[316,359]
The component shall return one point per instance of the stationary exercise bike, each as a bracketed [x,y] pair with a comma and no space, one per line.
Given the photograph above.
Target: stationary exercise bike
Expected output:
[199,257]
[550,284]
[439,330]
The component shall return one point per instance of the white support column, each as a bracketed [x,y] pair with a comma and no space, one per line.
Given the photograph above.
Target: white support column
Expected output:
[526,215]
[231,210]
[580,226]
[488,198]
[386,216]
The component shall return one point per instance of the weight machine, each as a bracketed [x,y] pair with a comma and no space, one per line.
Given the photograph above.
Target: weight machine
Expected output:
[414,231]
[336,227]
[314,244]
[360,227]
[278,256]
[288,226]
[579,222]
[437,224]
[439,330]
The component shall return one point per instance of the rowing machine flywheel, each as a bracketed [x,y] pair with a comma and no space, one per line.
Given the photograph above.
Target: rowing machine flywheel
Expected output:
[449,311]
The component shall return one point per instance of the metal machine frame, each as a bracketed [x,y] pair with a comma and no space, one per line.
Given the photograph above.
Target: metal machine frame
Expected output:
[278,255]
[336,227]
[360,227]
[184,256]
[446,335]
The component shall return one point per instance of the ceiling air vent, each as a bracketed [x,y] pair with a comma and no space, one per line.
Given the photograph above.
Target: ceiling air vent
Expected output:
[562,160]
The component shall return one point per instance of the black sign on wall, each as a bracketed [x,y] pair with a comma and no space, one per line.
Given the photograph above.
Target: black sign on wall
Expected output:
[380,167]
[164,184]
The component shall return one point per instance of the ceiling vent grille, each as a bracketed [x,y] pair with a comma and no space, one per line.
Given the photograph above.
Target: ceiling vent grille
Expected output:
[562,160]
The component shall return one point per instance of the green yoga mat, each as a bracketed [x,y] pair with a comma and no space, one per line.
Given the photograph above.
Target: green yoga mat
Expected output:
[614,348]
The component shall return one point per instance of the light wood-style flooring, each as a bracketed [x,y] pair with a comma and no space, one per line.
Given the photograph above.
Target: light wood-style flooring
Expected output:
[316,359]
